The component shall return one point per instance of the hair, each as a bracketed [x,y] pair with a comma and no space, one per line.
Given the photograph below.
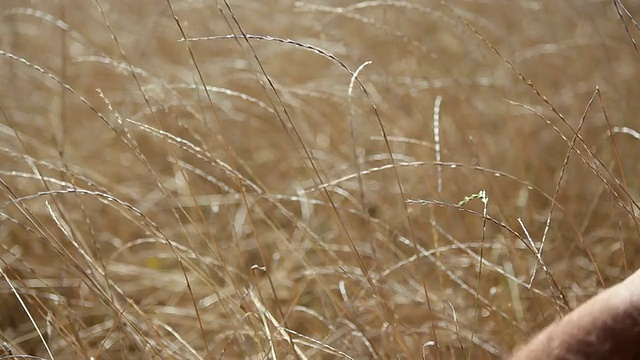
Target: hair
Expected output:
[605,327]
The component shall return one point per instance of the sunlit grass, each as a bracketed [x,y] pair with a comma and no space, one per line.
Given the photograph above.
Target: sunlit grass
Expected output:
[280,179]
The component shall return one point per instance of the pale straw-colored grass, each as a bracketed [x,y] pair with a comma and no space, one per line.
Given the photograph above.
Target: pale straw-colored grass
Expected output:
[319,179]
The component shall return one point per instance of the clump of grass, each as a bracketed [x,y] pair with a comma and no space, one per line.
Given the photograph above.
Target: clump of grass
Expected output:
[381,179]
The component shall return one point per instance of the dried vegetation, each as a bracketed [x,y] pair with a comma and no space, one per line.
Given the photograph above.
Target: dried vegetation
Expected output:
[311,179]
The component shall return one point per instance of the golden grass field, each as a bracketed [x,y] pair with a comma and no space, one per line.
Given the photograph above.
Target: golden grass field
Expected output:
[311,179]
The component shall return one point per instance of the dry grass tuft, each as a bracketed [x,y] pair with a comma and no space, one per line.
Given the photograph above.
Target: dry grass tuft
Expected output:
[311,179]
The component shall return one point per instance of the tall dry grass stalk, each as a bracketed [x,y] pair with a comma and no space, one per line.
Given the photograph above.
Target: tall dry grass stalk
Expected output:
[311,179]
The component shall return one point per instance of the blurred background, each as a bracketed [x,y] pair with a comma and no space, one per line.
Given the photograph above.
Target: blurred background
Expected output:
[311,179]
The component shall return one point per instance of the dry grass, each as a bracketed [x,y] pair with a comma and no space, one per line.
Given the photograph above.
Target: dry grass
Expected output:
[263,191]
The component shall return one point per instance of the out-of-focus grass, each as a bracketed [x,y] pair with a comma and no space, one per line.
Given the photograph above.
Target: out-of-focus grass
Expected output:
[263,191]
